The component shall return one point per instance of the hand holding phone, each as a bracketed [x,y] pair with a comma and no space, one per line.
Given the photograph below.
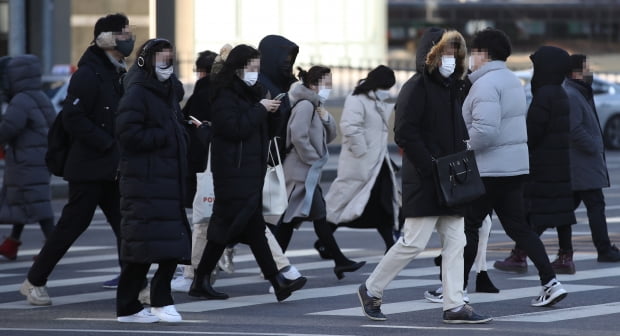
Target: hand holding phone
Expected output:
[280,96]
[195,121]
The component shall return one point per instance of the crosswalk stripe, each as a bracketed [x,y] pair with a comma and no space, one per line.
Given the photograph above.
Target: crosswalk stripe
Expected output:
[304,294]
[564,314]
[60,283]
[581,275]
[63,300]
[63,261]
[417,305]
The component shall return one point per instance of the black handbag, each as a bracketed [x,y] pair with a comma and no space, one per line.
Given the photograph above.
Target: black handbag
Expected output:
[458,178]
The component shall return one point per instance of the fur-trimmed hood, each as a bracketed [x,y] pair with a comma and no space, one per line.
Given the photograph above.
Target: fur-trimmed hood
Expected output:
[432,45]
[299,92]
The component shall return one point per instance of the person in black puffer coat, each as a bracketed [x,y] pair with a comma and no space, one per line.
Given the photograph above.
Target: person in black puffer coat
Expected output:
[242,126]
[26,195]
[153,168]
[89,112]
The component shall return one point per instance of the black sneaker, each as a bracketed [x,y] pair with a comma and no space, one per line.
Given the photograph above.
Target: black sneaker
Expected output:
[465,315]
[371,306]
[612,255]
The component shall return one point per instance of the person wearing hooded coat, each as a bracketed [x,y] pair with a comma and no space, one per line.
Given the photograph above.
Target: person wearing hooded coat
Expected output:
[278,55]
[25,196]
[152,175]
[88,116]
[243,122]
[429,124]
[365,193]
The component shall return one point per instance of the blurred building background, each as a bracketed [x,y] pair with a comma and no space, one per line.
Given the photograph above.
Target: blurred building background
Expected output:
[351,36]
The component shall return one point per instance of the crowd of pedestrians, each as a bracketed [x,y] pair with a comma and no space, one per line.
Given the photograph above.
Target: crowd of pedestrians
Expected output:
[134,152]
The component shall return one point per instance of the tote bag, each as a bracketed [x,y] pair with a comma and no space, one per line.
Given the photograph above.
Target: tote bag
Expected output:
[205,196]
[458,178]
[275,199]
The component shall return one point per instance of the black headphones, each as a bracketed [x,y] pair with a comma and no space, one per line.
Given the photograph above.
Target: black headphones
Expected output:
[140,61]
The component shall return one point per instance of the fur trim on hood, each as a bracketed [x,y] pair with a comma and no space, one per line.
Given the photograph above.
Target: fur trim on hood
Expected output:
[433,58]
[299,92]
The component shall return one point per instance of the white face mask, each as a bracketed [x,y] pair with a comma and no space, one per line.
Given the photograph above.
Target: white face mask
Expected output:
[163,71]
[382,94]
[250,78]
[448,64]
[324,94]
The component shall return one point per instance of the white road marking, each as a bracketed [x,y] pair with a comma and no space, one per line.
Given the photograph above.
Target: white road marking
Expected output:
[564,314]
[163,332]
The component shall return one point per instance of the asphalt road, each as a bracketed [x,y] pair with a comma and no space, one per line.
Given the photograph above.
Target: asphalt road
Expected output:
[326,306]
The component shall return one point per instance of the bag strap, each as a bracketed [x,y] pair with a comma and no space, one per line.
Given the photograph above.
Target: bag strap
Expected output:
[208,159]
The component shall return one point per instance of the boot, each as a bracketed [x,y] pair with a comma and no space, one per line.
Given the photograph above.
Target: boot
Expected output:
[484,284]
[284,287]
[201,287]
[9,248]
[564,264]
[350,266]
[516,262]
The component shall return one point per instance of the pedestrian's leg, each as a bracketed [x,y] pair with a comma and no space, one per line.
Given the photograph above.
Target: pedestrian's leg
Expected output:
[16,231]
[416,233]
[478,210]
[262,254]
[565,237]
[594,201]
[284,233]
[452,234]
[129,287]
[47,226]
[276,251]
[109,202]
[199,241]
[74,220]
[326,236]
[509,208]
[161,295]
[480,263]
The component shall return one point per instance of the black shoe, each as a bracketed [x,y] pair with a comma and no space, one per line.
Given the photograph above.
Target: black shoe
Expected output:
[202,288]
[612,255]
[284,287]
[350,266]
[484,284]
[465,315]
[322,250]
[371,306]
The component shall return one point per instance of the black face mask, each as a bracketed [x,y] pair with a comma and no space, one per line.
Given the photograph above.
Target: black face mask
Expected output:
[125,47]
[588,79]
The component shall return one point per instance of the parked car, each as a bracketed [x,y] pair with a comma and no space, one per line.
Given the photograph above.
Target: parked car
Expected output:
[606,100]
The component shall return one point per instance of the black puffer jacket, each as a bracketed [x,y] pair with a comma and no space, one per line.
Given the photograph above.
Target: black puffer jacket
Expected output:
[88,115]
[26,196]
[241,131]
[429,124]
[153,166]
[548,192]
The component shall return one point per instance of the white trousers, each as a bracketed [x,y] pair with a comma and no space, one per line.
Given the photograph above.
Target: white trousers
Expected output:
[416,234]
[480,263]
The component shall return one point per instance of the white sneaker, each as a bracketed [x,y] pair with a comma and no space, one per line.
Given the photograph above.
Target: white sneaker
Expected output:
[226,261]
[167,313]
[180,284]
[271,290]
[436,296]
[550,295]
[290,272]
[143,316]
[36,295]
[145,296]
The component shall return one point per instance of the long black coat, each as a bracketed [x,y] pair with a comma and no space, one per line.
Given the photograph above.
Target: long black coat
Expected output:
[429,124]
[242,128]
[89,115]
[25,195]
[153,168]
[198,106]
[548,192]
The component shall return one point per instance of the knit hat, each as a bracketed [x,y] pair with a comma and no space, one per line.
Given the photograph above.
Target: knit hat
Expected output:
[106,26]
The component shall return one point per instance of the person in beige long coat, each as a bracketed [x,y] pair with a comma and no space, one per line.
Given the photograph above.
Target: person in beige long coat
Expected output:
[365,193]
[309,129]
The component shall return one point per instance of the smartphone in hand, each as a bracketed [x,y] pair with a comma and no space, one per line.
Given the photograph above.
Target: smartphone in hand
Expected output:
[195,121]
[280,96]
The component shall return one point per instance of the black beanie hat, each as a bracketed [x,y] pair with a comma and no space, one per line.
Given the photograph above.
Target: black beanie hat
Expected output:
[576,62]
[110,23]
[240,56]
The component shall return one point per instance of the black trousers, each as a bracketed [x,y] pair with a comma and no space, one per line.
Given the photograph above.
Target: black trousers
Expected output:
[131,283]
[74,220]
[505,196]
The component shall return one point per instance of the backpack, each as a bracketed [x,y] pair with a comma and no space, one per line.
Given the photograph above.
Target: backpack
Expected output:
[58,146]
